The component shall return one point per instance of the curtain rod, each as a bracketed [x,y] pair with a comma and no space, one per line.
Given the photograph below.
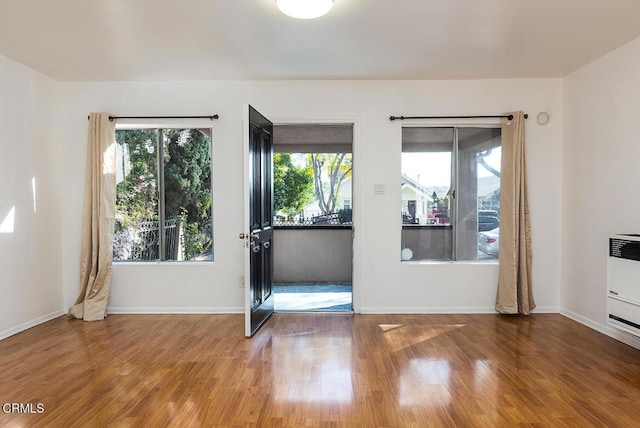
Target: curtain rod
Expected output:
[509,117]
[112,118]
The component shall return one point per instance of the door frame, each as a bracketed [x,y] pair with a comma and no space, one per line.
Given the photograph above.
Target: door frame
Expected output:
[356,260]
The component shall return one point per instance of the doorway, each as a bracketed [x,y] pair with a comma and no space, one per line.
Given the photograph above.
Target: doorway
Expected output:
[313,203]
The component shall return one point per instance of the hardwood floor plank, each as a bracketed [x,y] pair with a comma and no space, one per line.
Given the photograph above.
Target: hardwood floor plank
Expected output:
[332,370]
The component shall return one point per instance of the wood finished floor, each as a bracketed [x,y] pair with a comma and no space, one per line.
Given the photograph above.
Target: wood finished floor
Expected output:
[327,370]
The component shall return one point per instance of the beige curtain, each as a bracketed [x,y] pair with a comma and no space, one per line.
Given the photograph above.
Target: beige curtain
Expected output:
[97,220]
[514,280]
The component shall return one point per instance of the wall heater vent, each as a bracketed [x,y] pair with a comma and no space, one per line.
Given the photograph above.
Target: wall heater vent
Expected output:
[623,282]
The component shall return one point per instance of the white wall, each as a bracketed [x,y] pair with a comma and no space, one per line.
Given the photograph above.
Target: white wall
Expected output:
[601,175]
[382,283]
[30,260]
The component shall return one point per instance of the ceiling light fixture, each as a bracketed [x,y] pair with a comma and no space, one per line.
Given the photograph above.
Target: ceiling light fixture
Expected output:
[305,9]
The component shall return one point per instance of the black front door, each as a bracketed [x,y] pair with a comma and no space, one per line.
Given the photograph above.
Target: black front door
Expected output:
[259,304]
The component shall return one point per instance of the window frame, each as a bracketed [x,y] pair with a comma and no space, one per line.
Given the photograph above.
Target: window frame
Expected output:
[454,224]
[157,125]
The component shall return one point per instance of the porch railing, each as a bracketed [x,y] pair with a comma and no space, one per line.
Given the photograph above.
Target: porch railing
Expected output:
[341,217]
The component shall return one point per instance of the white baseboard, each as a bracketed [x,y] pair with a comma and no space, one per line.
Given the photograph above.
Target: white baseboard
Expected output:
[449,310]
[174,310]
[32,323]
[612,332]
[546,310]
[423,310]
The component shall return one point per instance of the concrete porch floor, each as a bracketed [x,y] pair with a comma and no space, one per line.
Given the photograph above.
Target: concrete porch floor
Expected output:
[312,297]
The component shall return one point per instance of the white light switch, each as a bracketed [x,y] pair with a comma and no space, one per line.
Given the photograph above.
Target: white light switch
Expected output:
[378,189]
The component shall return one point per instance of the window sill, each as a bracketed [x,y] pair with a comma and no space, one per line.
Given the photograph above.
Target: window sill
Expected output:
[163,263]
[314,227]
[450,262]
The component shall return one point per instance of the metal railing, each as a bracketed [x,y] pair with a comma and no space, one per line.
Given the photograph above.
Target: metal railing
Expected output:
[148,248]
[342,217]
[141,241]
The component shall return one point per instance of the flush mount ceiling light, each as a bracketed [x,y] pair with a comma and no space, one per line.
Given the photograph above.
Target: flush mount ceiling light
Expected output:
[305,9]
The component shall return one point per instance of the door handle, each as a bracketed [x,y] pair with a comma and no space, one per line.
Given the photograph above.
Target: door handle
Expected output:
[249,239]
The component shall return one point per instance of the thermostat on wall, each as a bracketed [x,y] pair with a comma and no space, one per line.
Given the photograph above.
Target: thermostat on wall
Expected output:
[542,118]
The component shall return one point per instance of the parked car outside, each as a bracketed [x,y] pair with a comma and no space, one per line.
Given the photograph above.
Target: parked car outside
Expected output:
[488,220]
[492,213]
[442,219]
[488,242]
[408,219]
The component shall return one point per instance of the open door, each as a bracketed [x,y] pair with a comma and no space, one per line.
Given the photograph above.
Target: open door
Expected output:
[259,218]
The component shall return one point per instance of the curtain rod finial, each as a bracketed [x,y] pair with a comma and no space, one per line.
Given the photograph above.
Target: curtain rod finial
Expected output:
[510,117]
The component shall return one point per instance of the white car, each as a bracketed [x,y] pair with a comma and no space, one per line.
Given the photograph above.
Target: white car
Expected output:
[488,242]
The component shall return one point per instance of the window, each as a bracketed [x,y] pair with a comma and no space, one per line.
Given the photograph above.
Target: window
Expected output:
[163,195]
[450,186]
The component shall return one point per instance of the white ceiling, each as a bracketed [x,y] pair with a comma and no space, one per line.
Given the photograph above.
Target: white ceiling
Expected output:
[358,39]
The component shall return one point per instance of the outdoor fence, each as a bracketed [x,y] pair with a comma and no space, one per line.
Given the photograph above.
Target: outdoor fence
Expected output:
[341,217]
[140,243]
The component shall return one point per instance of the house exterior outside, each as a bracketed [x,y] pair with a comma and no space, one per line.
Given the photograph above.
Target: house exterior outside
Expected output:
[418,206]
[345,198]
[418,202]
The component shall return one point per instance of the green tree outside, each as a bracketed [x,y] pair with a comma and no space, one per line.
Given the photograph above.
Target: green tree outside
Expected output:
[329,172]
[187,174]
[292,185]
[137,192]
